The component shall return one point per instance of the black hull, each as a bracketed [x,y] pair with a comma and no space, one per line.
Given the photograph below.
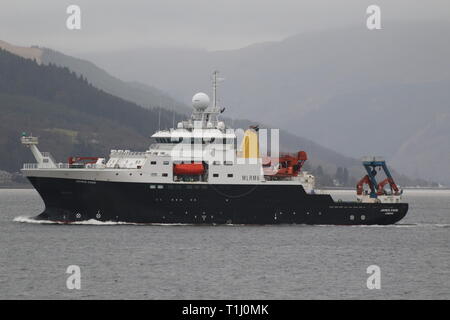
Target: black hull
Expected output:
[68,200]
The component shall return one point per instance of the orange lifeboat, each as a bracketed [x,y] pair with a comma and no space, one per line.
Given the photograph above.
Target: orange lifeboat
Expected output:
[189,169]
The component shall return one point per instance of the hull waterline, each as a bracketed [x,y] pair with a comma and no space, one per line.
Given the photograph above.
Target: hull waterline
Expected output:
[69,200]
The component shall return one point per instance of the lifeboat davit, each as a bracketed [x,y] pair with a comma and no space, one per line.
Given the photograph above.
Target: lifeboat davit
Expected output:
[189,169]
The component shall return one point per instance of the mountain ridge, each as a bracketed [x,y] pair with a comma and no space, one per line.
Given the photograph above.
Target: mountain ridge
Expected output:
[304,81]
[73,117]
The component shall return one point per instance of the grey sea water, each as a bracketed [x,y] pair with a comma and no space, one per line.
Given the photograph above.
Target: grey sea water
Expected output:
[226,262]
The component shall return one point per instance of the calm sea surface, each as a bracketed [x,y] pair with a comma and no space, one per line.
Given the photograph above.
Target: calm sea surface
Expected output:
[226,262]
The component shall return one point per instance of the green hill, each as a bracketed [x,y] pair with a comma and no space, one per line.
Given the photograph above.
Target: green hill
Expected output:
[72,117]
[69,114]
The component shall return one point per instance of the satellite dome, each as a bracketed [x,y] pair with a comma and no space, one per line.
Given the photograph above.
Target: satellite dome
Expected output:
[221,125]
[200,101]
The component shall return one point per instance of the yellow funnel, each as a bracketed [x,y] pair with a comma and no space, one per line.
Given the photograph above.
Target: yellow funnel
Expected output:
[250,146]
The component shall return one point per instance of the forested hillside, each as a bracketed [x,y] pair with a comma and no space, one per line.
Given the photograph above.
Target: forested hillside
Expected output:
[72,117]
[69,114]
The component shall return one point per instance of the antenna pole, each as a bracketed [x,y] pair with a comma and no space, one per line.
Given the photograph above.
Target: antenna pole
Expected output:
[215,88]
[173,118]
[159,119]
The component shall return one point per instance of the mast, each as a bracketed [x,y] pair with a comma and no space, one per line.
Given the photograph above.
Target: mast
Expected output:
[215,73]
[216,80]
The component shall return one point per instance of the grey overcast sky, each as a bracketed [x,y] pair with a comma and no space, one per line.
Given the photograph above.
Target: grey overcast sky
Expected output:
[209,24]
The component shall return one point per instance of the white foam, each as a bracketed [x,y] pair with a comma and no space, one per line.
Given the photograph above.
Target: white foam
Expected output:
[92,222]
[95,222]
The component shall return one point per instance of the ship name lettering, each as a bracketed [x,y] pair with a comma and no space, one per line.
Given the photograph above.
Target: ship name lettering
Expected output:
[85,181]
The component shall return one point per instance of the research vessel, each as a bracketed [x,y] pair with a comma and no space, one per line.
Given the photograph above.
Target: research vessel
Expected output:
[199,173]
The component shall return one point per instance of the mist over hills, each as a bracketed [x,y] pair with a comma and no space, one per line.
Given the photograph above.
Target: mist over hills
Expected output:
[139,93]
[70,115]
[144,95]
[356,91]
[73,117]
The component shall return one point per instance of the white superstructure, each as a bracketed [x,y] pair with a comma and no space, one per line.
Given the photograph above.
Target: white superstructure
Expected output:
[202,144]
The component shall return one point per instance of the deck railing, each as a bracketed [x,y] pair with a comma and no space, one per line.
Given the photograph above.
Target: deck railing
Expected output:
[30,166]
[60,166]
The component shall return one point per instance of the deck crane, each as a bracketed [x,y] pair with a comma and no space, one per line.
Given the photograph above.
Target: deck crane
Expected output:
[376,189]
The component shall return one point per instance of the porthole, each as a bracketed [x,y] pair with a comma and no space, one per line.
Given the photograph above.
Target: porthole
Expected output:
[78,215]
[363,217]
[352,217]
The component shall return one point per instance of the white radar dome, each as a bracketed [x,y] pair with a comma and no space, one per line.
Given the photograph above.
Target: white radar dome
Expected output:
[200,101]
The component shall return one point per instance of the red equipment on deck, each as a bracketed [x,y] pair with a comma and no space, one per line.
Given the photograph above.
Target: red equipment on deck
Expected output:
[376,189]
[390,181]
[361,183]
[72,160]
[188,169]
[288,164]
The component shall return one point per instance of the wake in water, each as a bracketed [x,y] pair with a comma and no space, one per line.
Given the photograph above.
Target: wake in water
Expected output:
[94,222]
[24,219]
